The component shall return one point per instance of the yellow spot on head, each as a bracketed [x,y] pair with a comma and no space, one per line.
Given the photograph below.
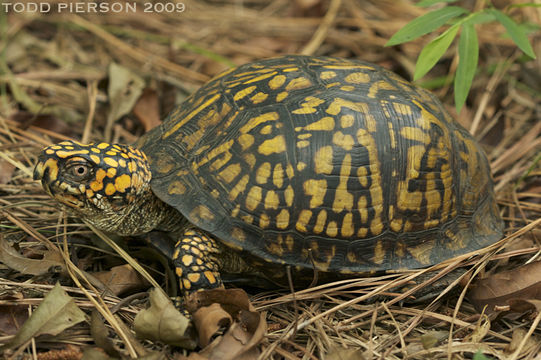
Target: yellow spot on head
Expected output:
[111,162]
[95,159]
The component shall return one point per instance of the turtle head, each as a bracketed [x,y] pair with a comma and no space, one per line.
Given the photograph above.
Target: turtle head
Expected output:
[101,182]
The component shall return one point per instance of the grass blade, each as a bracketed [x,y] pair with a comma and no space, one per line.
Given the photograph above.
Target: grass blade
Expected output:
[433,51]
[468,52]
[425,24]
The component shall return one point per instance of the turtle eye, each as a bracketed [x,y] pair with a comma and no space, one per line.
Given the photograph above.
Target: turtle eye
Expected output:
[79,171]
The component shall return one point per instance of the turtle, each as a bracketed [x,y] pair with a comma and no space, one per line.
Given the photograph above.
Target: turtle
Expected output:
[296,162]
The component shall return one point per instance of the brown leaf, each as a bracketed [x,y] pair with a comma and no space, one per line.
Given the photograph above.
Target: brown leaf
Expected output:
[498,289]
[147,109]
[6,171]
[214,309]
[51,260]
[209,320]
[12,317]
[122,279]
[239,342]
[232,300]
[100,334]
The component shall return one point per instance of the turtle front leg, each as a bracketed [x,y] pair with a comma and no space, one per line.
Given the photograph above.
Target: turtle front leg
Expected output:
[195,258]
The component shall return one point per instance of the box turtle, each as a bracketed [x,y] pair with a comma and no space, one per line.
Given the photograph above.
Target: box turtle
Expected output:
[319,163]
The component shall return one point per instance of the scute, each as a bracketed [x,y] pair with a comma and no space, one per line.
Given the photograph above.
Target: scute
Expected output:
[325,162]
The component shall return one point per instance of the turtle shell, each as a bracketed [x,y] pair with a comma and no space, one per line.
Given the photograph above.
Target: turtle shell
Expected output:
[323,162]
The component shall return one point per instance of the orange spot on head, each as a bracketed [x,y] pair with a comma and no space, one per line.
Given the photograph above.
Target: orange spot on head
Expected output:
[110,189]
[96,185]
[122,183]
[100,175]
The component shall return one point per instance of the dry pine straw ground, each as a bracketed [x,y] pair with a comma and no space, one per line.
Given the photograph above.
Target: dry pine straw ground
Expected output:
[53,86]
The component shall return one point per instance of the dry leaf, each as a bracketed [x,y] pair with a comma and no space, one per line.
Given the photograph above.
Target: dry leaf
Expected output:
[12,317]
[100,334]
[240,341]
[122,279]
[56,313]
[232,300]
[147,109]
[247,330]
[209,320]
[6,171]
[497,289]
[518,336]
[163,322]
[125,87]
[51,260]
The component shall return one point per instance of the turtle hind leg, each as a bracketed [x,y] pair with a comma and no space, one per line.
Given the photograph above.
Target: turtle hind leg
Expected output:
[195,258]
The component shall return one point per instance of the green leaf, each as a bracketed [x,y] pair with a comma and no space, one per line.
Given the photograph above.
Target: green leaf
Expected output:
[433,51]
[516,33]
[425,24]
[480,17]
[479,356]
[468,54]
[427,3]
